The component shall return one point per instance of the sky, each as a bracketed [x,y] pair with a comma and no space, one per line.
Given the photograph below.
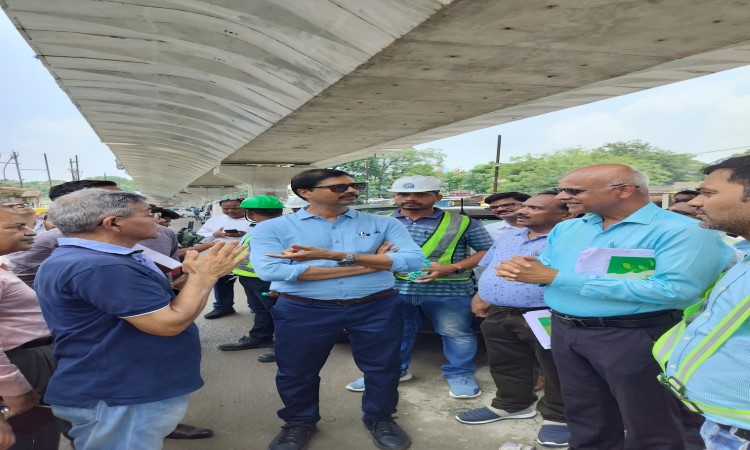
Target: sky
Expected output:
[706,116]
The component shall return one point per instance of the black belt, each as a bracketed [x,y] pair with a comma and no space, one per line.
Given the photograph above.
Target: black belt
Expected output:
[41,342]
[516,311]
[740,433]
[632,321]
[351,301]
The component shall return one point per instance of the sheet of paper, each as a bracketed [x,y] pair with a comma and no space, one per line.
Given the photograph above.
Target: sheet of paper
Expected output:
[540,323]
[158,258]
[617,262]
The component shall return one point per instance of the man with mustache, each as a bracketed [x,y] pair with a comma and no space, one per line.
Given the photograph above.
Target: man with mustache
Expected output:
[504,206]
[444,288]
[512,348]
[715,385]
[604,323]
[332,265]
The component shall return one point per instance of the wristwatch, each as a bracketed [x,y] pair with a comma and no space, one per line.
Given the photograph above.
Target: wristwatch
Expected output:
[348,259]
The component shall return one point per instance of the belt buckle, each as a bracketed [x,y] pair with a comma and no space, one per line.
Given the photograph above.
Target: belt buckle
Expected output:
[573,321]
[678,390]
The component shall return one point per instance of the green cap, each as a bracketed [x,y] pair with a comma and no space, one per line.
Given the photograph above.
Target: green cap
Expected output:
[262,202]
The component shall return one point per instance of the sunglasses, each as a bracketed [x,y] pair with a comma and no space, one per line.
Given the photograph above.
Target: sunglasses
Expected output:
[341,188]
[502,206]
[574,192]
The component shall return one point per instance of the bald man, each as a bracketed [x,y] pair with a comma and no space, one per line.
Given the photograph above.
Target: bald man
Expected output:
[604,322]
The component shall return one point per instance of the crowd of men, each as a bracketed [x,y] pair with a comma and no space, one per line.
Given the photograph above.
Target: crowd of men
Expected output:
[648,308]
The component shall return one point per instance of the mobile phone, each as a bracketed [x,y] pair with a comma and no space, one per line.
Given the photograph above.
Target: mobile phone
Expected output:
[232,231]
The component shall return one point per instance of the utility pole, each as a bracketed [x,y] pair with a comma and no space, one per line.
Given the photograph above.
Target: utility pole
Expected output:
[497,164]
[367,179]
[49,177]
[18,169]
[78,172]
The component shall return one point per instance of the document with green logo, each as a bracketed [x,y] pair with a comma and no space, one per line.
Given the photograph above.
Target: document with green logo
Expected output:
[540,323]
[628,263]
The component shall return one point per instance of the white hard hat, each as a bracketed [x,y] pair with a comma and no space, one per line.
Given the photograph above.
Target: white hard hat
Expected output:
[417,183]
[295,202]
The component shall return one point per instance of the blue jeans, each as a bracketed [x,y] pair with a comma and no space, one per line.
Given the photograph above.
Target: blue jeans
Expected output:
[142,426]
[305,335]
[224,291]
[719,439]
[452,318]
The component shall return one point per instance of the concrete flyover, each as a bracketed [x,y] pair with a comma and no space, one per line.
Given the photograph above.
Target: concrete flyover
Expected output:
[197,97]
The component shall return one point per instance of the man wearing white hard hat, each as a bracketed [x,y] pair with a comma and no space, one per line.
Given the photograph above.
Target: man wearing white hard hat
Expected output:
[295,203]
[444,287]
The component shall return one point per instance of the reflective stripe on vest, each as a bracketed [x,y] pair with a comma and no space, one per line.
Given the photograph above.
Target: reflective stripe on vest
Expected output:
[442,244]
[245,269]
[706,347]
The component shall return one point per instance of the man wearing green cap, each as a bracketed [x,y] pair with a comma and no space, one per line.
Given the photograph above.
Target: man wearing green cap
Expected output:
[257,209]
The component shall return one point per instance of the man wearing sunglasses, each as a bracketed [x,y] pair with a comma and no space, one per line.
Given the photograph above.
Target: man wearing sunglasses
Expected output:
[443,292]
[504,205]
[332,267]
[608,307]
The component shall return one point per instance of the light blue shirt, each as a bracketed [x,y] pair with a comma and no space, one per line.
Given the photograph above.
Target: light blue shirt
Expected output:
[688,259]
[501,292]
[724,378]
[353,231]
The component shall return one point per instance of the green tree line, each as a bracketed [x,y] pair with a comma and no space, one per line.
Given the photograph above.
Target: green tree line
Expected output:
[527,173]
[43,186]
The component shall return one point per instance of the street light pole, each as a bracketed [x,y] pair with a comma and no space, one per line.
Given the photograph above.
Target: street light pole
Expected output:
[497,164]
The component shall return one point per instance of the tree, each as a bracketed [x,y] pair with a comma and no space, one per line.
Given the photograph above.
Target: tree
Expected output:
[384,169]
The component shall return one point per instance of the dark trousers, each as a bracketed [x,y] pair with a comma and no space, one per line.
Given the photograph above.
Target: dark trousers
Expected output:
[512,351]
[305,335]
[224,291]
[261,305]
[37,365]
[609,385]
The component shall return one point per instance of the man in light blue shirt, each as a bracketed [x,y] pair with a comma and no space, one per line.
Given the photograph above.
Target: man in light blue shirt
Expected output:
[332,268]
[720,384]
[604,324]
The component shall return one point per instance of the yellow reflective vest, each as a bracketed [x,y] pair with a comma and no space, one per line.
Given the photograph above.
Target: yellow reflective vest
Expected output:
[441,245]
[245,269]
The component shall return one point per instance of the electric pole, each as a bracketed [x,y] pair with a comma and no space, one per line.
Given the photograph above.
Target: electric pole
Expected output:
[18,169]
[497,164]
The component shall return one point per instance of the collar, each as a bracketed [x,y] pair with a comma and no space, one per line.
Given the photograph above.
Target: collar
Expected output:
[436,214]
[303,214]
[645,215]
[96,245]
[524,232]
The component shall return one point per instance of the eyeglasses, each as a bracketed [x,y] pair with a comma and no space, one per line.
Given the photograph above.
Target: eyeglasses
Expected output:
[502,206]
[341,188]
[574,192]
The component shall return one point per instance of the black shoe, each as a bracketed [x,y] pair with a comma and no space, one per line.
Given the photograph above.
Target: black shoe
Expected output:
[245,343]
[219,312]
[386,434]
[183,431]
[293,437]
[268,357]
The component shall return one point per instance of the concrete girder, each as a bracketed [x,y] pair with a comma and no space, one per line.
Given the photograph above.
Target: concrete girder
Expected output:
[262,180]
[183,86]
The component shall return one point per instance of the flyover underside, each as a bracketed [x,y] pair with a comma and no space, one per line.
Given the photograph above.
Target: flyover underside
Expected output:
[178,87]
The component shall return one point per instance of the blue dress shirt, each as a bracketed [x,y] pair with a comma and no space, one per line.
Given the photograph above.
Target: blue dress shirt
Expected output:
[688,259]
[724,378]
[501,292]
[353,231]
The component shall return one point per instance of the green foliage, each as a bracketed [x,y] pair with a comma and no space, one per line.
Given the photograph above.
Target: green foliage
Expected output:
[43,186]
[384,169]
[528,173]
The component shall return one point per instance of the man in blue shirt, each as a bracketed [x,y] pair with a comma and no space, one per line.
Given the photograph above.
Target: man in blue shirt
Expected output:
[332,268]
[127,349]
[512,348]
[604,321]
[719,385]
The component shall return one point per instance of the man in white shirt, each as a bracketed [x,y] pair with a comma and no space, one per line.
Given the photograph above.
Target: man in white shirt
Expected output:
[504,205]
[230,226]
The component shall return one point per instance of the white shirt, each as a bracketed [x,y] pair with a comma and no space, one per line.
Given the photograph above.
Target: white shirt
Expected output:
[224,222]
[497,229]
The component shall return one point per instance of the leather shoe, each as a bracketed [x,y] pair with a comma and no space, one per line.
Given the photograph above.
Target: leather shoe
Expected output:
[183,431]
[387,435]
[219,312]
[245,343]
[268,357]
[293,437]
